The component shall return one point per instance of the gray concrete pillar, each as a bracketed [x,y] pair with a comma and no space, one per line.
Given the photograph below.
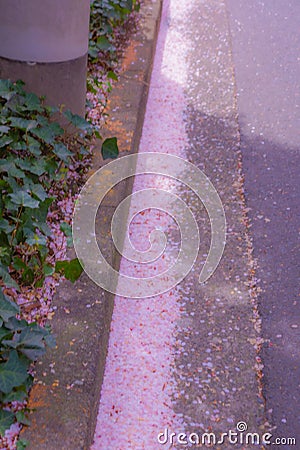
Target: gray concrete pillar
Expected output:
[45,44]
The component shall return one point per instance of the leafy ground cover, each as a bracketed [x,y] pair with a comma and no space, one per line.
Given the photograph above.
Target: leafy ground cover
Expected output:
[36,154]
[107,21]
[111,23]
[42,166]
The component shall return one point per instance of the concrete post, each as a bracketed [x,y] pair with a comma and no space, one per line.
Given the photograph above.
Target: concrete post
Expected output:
[45,44]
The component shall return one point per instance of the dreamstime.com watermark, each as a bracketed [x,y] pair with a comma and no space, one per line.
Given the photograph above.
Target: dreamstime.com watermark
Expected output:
[162,164]
[239,436]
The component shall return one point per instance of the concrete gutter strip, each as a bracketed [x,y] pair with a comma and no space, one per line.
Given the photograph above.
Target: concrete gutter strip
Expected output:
[68,381]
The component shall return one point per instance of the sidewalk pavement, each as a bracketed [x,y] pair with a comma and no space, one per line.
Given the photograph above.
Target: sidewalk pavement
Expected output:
[187,360]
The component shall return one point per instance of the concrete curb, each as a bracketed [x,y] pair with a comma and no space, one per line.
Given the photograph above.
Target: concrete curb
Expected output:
[68,381]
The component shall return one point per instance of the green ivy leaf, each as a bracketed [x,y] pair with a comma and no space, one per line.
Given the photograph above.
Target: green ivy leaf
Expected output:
[4,332]
[18,263]
[44,133]
[93,52]
[22,418]
[48,270]
[66,229]
[103,43]
[32,102]
[8,308]
[110,148]
[70,269]
[5,140]
[5,226]
[4,129]
[43,227]
[39,191]
[39,167]
[7,279]
[28,276]
[77,121]
[15,102]
[24,164]
[6,89]
[97,134]
[40,214]
[36,239]
[42,120]
[23,124]
[56,128]
[16,325]
[33,146]
[13,373]
[22,198]
[30,342]
[70,242]
[9,166]
[62,152]
[49,338]
[31,338]
[112,75]
[18,394]
[5,250]
[7,418]
[10,180]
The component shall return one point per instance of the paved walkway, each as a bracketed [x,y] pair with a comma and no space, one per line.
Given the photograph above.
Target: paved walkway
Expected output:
[186,361]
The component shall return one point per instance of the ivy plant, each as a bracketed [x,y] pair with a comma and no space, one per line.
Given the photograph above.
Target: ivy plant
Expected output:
[35,153]
[105,16]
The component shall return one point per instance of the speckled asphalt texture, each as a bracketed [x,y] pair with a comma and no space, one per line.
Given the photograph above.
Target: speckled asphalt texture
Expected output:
[266,43]
[195,369]
[216,369]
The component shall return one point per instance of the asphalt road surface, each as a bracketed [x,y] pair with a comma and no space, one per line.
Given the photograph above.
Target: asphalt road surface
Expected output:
[265,44]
